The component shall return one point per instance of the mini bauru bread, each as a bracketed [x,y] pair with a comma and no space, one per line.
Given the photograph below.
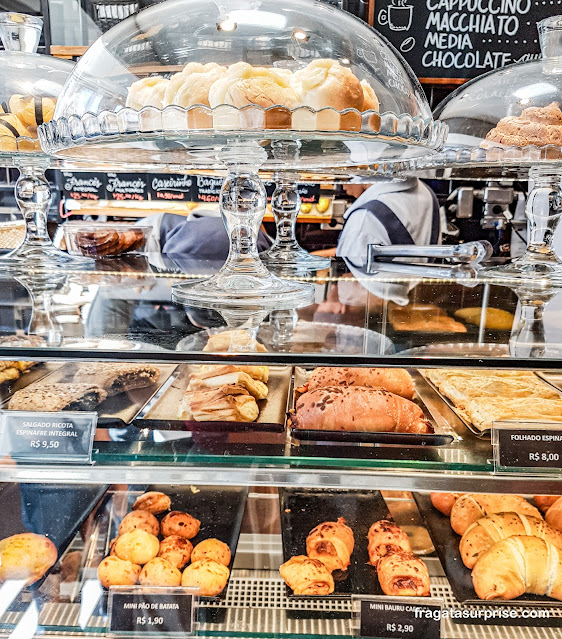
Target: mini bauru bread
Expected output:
[179,523]
[208,575]
[402,574]
[177,550]
[140,519]
[153,502]
[113,571]
[306,576]
[137,546]
[212,549]
[26,556]
[160,572]
[332,543]
[386,538]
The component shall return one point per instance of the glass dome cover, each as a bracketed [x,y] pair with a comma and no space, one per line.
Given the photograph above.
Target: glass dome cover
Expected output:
[510,117]
[295,70]
[29,85]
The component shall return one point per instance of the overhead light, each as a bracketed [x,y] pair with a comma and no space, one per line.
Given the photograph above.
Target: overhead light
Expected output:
[226,25]
[345,61]
[300,35]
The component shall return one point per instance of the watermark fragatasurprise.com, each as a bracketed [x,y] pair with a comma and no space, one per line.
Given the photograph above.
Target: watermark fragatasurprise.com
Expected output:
[482,613]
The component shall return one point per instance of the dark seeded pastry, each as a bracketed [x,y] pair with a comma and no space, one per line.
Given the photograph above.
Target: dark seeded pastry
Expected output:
[117,378]
[57,397]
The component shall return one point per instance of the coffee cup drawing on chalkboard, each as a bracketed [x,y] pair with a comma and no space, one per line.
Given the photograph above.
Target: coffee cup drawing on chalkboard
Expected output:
[398,15]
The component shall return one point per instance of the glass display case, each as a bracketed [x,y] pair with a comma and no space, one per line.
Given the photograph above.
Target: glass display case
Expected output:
[461,360]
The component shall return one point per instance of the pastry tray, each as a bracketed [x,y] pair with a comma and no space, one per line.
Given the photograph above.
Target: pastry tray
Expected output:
[38,372]
[120,410]
[161,415]
[554,378]
[60,520]
[219,508]
[440,419]
[303,509]
[446,543]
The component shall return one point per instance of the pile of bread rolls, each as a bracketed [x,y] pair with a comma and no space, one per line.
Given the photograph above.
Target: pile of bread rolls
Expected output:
[360,400]
[400,572]
[323,83]
[26,556]
[507,544]
[138,555]
[19,118]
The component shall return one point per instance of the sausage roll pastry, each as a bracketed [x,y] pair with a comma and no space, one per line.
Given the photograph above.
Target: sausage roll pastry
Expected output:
[331,543]
[306,576]
[386,538]
[402,574]
[356,408]
[519,565]
[394,380]
[487,531]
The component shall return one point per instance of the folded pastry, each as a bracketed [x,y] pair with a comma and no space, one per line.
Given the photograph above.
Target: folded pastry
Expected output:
[444,502]
[394,380]
[553,515]
[233,342]
[487,531]
[331,543]
[215,379]
[537,126]
[484,411]
[386,538]
[261,373]
[402,574]
[147,92]
[57,397]
[222,404]
[356,408]
[519,565]
[470,508]
[306,576]
[117,378]
[9,371]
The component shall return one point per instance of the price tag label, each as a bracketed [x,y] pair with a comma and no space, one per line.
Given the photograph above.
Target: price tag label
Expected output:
[61,437]
[527,446]
[141,610]
[400,618]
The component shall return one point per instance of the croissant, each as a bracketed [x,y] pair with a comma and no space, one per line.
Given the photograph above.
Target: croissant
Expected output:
[402,574]
[394,380]
[358,409]
[519,565]
[470,508]
[544,502]
[553,515]
[487,531]
[331,543]
[444,502]
[386,538]
[306,576]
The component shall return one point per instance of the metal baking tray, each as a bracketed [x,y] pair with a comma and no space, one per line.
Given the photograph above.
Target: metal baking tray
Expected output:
[444,433]
[120,410]
[162,414]
[554,378]
[219,508]
[303,509]
[56,511]
[446,543]
[38,372]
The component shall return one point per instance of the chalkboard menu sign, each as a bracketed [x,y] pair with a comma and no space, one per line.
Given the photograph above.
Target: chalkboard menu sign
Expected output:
[173,188]
[207,189]
[83,186]
[462,39]
[309,193]
[127,186]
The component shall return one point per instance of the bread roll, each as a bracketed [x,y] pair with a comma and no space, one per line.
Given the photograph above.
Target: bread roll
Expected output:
[153,502]
[393,380]
[487,531]
[137,546]
[113,571]
[553,515]
[386,538]
[470,508]
[306,576]
[177,550]
[140,519]
[12,130]
[370,99]
[160,572]
[212,549]
[147,92]
[26,556]
[181,524]
[444,502]
[402,574]
[519,565]
[544,502]
[208,575]
[331,543]
[356,408]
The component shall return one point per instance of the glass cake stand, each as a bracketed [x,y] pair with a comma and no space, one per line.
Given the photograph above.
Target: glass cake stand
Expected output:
[276,76]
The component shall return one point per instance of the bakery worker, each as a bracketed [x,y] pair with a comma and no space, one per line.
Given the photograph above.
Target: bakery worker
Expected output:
[400,211]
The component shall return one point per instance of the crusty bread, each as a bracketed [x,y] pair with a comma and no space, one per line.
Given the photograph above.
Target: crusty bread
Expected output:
[553,515]
[444,502]
[544,502]
[394,380]
[117,378]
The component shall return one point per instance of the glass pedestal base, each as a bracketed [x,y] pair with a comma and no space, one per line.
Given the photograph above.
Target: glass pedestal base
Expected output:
[41,255]
[535,266]
[293,258]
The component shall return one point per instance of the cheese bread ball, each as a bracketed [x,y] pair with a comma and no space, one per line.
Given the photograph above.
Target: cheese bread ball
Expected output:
[137,546]
[159,572]
[140,519]
[181,524]
[26,556]
[207,575]
[212,549]
[153,502]
[113,571]
[177,550]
